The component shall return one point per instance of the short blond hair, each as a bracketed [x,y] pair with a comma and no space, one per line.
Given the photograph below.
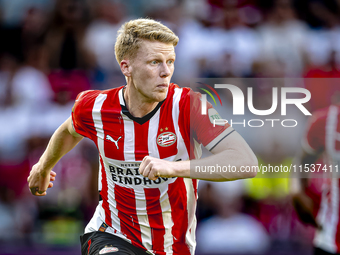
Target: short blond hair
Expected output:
[132,33]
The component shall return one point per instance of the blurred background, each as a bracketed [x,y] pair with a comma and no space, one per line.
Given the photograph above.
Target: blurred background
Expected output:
[50,50]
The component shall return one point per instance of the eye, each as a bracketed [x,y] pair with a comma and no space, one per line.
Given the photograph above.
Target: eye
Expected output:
[170,62]
[154,62]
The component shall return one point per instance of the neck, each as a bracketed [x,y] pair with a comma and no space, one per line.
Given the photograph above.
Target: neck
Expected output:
[137,105]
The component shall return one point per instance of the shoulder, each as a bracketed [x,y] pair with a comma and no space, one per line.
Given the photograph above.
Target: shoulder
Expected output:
[318,118]
[88,97]
[184,94]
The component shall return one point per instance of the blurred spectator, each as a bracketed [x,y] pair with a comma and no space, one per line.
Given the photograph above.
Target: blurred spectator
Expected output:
[283,39]
[217,45]
[13,11]
[68,57]
[230,231]
[100,39]
[24,89]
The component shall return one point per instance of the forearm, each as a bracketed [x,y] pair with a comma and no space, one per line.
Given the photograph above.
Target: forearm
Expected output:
[299,180]
[61,142]
[232,159]
[224,166]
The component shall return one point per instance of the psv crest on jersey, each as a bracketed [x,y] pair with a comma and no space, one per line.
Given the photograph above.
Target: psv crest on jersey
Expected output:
[166,139]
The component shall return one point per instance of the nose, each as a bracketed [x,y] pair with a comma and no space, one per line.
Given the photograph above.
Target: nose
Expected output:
[165,71]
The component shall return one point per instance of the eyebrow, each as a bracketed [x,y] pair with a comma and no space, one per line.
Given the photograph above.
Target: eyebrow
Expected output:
[159,54]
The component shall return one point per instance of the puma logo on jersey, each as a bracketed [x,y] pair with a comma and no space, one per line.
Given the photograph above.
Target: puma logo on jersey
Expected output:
[112,140]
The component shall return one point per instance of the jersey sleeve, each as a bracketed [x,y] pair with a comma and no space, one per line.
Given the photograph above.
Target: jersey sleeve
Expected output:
[202,125]
[314,139]
[82,113]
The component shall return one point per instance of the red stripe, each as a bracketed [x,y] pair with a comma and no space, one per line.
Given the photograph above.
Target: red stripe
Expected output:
[194,183]
[89,244]
[113,126]
[126,206]
[154,211]
[337,235]
[82,114]
[141,140]
[87,121]
[184,120]
[166,125]
[104,195]
[178,202]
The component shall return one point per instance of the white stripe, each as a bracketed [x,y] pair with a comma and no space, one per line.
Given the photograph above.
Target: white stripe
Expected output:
[333,154]
[335,210]
[121,97]
[100,176]
[328,215]
[164,199]
[332,136]
[129,139]
[321,218]
[167,221]
[143,220]
[98,124]
[182,153]
[331,125]
[197,150]
[152,135]
[191,207]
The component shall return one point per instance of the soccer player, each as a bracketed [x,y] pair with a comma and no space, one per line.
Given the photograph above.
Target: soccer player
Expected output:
[142,132]
[321,140]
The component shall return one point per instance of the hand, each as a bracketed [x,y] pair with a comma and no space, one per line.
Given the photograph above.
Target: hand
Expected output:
[155,167]
[303,205]
[39,181]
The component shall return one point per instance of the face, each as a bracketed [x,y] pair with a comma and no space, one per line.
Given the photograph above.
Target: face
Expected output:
[151,69]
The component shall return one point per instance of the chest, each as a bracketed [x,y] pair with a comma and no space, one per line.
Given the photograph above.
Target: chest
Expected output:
[128,140]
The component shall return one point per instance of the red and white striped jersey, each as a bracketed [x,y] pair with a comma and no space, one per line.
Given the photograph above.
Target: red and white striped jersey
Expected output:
[323,135]
[158,216]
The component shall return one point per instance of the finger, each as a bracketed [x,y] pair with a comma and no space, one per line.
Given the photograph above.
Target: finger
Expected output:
[44,180]
[153,175]
[35,192]
[52,178]
[41,194]
[143,165]
[53,173]
[50,185]
[147,170]
[157,174]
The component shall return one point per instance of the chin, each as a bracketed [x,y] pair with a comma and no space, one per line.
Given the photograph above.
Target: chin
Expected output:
[160,97]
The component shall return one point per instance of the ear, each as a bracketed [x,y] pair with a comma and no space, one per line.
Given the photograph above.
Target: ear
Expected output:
[125,67]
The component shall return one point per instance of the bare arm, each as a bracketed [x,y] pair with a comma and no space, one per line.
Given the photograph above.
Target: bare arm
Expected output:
[62,141]
[232,151]
[302,203]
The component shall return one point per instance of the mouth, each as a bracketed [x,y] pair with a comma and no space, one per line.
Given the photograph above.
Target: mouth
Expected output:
[163,85]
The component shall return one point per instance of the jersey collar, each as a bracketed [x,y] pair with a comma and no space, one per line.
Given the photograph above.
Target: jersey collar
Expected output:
[126,112]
